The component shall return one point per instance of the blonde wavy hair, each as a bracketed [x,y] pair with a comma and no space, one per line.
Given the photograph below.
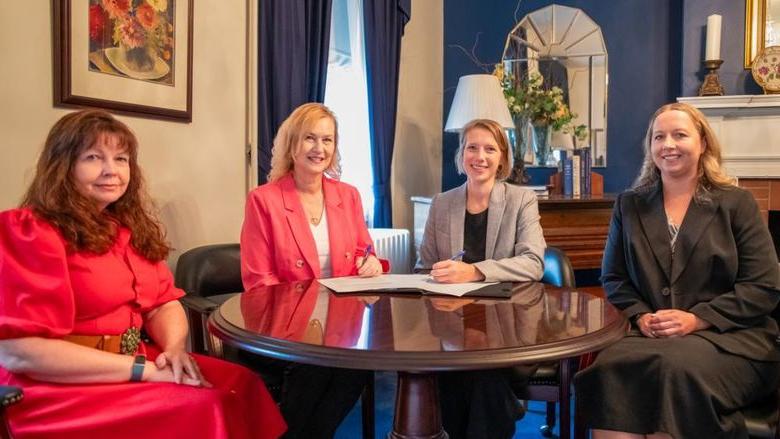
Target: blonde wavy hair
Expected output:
[288,140]
[710,174]
[505,165]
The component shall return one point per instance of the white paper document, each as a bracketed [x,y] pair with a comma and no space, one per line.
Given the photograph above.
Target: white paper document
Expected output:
[422,282]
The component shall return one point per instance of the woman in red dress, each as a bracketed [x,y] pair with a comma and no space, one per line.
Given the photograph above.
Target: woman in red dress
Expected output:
[82,271]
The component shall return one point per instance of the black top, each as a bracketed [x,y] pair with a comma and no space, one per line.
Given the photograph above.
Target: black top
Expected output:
[474,233]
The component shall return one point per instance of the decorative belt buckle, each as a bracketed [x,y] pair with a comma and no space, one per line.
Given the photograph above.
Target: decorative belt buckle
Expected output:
[130,341]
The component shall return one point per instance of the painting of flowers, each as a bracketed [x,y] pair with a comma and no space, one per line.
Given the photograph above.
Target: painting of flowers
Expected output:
[133,39]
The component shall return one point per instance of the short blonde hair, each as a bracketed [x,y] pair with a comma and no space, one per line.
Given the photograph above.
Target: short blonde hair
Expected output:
[505,165]
[710,173]
[287,142]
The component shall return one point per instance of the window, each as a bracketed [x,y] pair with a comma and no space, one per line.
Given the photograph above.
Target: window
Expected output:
[346,93]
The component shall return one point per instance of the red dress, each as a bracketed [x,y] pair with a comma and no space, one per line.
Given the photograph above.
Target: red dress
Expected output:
[48,292]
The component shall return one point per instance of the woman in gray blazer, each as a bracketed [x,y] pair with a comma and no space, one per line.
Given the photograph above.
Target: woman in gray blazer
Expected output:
[486,230]
[690,262]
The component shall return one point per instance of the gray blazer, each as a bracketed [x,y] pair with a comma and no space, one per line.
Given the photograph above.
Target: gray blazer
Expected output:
[513,216]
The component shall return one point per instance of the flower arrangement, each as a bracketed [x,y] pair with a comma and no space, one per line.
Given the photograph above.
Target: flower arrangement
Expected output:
[141,27]
[543,107]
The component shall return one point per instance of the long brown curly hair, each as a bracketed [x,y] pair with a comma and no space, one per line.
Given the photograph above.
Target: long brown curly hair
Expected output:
[53,196]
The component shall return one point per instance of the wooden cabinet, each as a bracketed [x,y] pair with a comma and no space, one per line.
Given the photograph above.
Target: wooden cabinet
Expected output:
[578,226]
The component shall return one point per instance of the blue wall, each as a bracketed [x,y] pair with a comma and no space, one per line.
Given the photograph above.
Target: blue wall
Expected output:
[734,78]
[644,68]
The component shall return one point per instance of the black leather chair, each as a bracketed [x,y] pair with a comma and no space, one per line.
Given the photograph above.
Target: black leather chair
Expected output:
[763,417]
[551,382]
[8,395]
[210,275]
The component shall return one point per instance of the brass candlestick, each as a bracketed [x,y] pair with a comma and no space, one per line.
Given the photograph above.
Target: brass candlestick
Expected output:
[711,85]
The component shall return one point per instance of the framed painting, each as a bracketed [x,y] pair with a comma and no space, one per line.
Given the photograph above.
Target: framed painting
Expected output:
[129,56]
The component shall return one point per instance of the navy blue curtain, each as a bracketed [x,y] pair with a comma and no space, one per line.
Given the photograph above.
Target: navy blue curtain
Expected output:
[384,22]
[293,41]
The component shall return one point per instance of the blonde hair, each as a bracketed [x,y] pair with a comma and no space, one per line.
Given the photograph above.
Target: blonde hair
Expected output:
[505,165]
[710,172]
[287,142]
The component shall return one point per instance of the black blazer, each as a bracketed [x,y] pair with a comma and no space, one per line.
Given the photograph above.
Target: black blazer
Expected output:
[724,268]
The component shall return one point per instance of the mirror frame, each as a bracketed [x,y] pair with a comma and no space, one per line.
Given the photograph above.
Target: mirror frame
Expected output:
[590,100]
[755,29]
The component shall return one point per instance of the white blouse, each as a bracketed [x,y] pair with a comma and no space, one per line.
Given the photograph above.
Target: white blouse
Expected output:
[320,233]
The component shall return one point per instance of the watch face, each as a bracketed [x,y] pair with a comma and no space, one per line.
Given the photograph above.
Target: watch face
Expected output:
[766,69]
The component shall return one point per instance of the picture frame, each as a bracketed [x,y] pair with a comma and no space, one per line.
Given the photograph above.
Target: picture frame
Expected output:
[755,13]
[761,28]
[133,59]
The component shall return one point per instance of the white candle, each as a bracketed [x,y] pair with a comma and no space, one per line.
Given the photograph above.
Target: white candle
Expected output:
[712,51]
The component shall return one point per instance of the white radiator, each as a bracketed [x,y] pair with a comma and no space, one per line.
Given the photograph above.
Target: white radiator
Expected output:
[393,245]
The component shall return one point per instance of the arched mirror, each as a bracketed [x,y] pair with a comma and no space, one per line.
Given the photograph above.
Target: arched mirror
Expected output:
[555,78]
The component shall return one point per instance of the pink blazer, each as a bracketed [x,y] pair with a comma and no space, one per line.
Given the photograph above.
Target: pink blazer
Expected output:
[277,244]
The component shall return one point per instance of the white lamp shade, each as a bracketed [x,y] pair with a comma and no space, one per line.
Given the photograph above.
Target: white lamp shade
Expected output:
[560,140]
[478,97]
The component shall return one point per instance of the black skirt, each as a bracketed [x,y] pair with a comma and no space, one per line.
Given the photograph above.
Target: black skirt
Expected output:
[686,387]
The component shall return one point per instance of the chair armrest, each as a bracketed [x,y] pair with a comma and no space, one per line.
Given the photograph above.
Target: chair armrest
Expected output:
[205,305]
[10,395]
[199,304]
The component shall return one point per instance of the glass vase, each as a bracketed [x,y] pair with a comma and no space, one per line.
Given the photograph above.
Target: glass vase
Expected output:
[523,137]
[542,134]
[520,139]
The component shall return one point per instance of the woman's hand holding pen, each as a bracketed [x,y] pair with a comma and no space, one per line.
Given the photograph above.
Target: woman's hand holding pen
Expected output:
[451,272]
[368,266]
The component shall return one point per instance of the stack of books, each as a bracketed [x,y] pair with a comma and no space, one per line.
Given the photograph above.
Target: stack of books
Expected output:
[575,170]
[541,190]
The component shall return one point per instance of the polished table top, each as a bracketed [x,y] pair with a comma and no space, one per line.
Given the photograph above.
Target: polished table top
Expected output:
[305,322]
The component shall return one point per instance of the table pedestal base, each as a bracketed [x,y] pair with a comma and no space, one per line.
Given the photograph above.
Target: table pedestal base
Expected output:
[417,412]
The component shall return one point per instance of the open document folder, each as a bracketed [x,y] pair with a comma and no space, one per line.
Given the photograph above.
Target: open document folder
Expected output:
[399,283]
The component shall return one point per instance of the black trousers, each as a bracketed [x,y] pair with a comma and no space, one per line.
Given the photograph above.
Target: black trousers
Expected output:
[478,404]
[313,399]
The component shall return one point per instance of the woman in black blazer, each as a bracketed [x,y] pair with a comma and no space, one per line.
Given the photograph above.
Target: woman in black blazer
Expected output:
[689,261]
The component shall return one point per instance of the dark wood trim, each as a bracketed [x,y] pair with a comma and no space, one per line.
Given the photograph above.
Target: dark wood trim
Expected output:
[585,201]
[412,361]
[63,96]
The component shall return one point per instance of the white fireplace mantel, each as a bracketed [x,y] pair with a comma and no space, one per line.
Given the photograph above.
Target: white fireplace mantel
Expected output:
[748,127]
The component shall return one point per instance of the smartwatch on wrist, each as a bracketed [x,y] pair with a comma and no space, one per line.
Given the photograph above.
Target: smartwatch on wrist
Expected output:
[137,372]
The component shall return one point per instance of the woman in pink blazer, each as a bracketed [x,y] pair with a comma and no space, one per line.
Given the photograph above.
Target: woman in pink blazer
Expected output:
[305,224]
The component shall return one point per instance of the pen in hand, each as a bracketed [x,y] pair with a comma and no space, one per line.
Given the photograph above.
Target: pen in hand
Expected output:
[458,255]
[369,247]
[455,257]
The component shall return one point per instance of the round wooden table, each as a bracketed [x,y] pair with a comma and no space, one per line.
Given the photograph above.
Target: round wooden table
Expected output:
[416,335]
